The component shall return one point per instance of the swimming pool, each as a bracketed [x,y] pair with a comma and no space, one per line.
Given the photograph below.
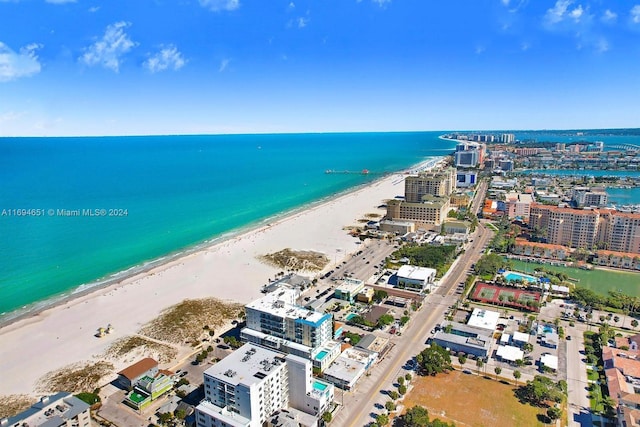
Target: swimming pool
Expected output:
[547,329]
[319,386]
[512,276]
[321,355]
[351,316]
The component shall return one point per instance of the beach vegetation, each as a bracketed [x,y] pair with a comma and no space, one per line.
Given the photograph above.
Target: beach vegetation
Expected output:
[75,378]
[124,346]
[13,404]
[184,322]
[289,259]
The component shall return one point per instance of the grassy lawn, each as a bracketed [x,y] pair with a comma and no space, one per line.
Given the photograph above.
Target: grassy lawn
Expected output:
[469,400]
[600,281]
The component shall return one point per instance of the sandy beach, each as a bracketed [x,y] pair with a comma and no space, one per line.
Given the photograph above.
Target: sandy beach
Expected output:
[229,270]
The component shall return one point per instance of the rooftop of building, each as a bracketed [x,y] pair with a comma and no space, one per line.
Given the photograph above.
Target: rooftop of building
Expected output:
[248,365]
[465,335]
[484,319]
[510,353]
[349,284]
[281,303]
[50,411]
[523,242]
[413,272]
[603,252]
[139,368]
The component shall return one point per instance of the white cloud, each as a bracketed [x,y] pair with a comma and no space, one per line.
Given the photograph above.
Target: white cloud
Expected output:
[635,14]
[218,5]
[108,51]
[223,65]
[480,49]
[576,13]
[166,58]
[609,16]
[602,45]
[292,5]
[381,3]
[14,65]
[94,9]
[60,1]
[557,12]
[525,46]
[302,22]
[505,2]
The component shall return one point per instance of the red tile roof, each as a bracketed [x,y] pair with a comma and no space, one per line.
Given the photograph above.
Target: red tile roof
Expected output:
[134,371]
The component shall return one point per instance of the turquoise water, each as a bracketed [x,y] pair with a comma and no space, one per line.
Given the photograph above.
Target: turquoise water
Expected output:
[321,355]
[174,192]
[351,316]
[547,329]
[319,386]
[513,276]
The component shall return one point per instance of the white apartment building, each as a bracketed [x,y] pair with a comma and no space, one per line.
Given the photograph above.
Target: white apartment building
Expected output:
[275,321]
[61,409]
[249,385]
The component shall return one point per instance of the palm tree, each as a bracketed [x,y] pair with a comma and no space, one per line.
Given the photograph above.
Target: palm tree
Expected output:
[497,370]
[517,375]
[634,323]
[479,364]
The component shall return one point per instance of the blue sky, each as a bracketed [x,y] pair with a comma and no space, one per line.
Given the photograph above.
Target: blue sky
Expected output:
[82,67]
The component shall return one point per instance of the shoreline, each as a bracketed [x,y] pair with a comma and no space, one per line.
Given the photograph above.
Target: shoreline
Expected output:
[228,270]
[149,266]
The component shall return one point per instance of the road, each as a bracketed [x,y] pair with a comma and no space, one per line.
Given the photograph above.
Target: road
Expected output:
[360,405]
[577,382]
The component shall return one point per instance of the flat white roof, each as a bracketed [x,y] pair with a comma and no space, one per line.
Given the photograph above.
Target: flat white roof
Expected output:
[248,365]
[550,361]
[485,319]
[281,303]
[510,353]
[521,337]
[505,338]
[416,273]
[350,285]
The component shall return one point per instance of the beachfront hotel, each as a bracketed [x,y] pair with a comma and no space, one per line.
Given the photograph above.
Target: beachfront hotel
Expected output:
[253,385]
[439,183]
[275,321]
[430,212]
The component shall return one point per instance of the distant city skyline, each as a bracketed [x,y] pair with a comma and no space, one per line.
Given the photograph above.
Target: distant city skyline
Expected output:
[83,67]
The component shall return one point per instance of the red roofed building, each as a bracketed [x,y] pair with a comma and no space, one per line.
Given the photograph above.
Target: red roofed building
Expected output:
[130,375]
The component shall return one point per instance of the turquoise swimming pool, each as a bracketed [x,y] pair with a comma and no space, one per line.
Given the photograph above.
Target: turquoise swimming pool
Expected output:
[319,386]
[351,316]
[321,355]
[512,276]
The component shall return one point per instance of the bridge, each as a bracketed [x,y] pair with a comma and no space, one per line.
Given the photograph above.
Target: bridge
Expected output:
[625,147]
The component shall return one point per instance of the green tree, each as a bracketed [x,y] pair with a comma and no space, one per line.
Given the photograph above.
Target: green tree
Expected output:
[489,264]
[434,360]
[380,295]
[462,359]
[407,376]
[394,395]
[541,390]
[180,414]
[517,375]
[327,417]
[165,417]
[390,406]
[479,365]
[401,380]
[384,320]
[554,413]
[402,390]
[416,417]
[497,370]
[634,323]
[382,419]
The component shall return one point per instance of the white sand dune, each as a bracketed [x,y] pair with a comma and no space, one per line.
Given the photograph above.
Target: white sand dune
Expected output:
[229,270]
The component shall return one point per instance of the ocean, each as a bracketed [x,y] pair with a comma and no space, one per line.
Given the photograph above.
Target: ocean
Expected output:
[78,211]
